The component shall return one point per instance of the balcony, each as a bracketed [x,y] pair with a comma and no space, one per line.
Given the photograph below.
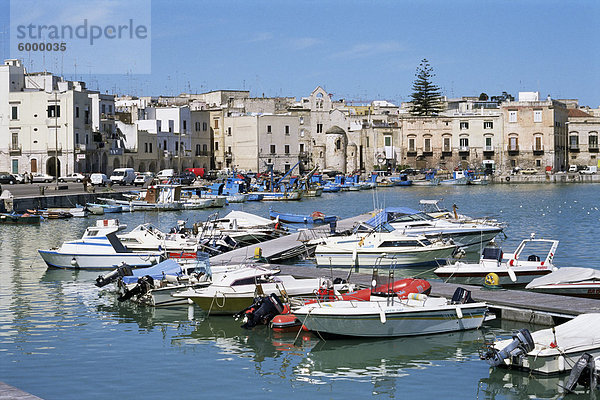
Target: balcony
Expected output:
[411,153]
[14,150]
[116,152]
[574,148]
[463,150]
[488,149]
[427,153]
[228,155]
[53,151]
[303,155]
[512,150]
[538,150]
[447,151]
[593,148]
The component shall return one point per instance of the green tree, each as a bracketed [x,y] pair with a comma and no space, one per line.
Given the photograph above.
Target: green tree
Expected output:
[426,97]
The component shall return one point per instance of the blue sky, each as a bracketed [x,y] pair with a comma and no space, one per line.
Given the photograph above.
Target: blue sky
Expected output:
[365,50]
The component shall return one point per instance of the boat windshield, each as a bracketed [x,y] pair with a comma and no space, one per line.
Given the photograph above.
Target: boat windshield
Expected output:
[401,243]
[409,217]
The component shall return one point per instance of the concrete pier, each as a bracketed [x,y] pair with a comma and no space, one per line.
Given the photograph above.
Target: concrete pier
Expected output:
[8,392]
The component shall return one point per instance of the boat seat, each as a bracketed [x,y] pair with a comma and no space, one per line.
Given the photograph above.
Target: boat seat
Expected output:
[533,257]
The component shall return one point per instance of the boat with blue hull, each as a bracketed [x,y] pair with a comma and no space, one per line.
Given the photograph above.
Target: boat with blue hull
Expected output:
[313,218]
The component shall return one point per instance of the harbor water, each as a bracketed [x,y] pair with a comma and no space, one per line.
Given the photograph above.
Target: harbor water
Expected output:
[63,338]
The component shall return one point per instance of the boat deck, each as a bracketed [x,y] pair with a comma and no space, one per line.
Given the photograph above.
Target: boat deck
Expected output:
[517,305]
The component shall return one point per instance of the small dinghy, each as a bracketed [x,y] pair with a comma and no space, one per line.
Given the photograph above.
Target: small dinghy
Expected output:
[316,217]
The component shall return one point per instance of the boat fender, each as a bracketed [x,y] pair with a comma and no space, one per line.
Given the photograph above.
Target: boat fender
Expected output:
[507,179]
[459,312]
[561,363]
[382,317]
[417,296]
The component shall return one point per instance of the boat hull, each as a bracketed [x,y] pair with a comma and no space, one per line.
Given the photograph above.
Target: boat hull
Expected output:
[55,259]
[477,277]
[326,256]
[586,290]
[388,322]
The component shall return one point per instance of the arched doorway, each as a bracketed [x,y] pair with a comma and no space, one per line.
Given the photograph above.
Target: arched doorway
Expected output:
[130,162]
[142,167]
[162,164]
[116,163]
[152,167]
[104,164]
[53,166]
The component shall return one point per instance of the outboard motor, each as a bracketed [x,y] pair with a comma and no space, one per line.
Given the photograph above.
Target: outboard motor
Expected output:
[584,372]
[461,296]
[522,344]
[144,284]
[123,270]
[261,312]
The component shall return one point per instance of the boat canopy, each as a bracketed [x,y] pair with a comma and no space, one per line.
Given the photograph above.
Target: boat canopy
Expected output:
[169,267]
[397,214]
[566,275]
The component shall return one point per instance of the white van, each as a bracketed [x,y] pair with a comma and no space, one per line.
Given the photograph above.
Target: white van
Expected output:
[123,176]
[165,174]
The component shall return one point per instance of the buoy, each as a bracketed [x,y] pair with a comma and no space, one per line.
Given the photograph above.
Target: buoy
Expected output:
[258,253]
[491,281]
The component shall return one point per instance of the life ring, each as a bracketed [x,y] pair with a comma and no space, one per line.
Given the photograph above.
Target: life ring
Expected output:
[317,215]
[507,179]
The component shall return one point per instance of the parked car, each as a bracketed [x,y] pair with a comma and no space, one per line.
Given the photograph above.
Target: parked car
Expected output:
[19,177]
[529,171]
[39,177]
[99,179]
[76,177]
[186,178]
[6,177]
[573,168]
[589,170]
[123,176]
[141,179]
[165,174]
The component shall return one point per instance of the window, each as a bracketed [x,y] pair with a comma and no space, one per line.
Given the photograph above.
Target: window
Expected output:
[488,143]
[216,124]
[171,123]
[15,140]
[301,147]
[165,145]
[103,108]
[14,112]
[537,115]
[367,141]
[411,144]
[338,144]
[197,126]
[229,131]
[513,143]
[76,137]
[176,146]
[538,143]
[217,146]
[319,128]
[15,166]
[427,145]
[513,163]
[86,117]
[301,120]
[287,130]
[109,109]
[268,128]
[54,111]
[287,149]
[464,125]
[145,147]
[512,116]
[76,112]
[149,147]
[447,144]
[184,125]
[538,163]
[593,141]
[229,149]
[464,144]
[388,140]
[488,125]
[272,149]
[573,142]
[204,127]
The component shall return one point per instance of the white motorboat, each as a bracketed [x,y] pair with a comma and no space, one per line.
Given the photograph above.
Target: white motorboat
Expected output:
[384,316]
[382,249]
[99,248]
[243,227]
[149,237]
[154,286]
[548,351]
[468,235]
[236,290]
[515,269]
[577,282]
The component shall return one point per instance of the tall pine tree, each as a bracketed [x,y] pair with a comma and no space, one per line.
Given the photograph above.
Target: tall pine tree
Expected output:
[426,97]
